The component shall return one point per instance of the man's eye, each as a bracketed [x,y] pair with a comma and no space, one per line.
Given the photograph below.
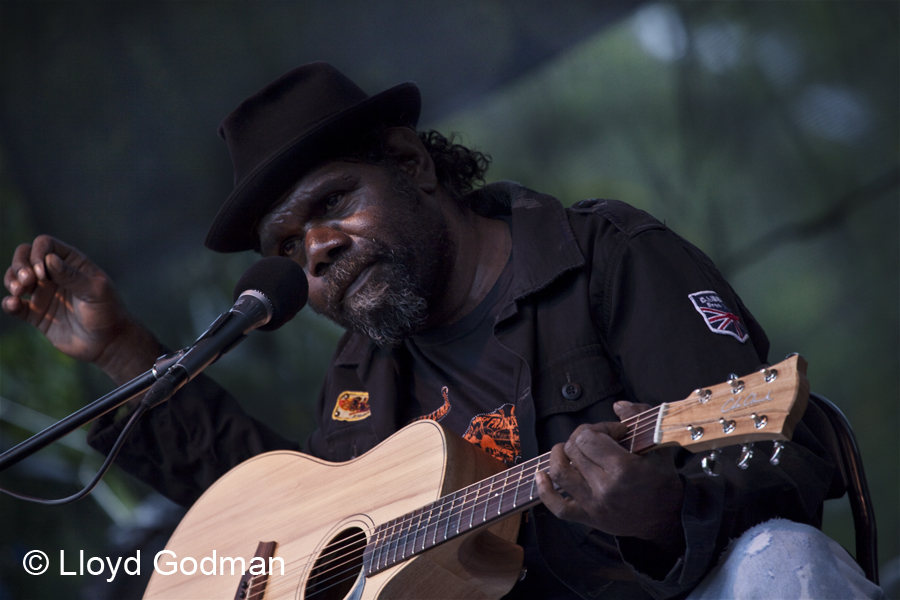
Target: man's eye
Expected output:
[332,201]
[291,247]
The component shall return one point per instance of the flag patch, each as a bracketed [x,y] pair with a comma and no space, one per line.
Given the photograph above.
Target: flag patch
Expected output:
[718,316]
[351,406]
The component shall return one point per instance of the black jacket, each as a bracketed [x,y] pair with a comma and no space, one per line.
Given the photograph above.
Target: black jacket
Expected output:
[600,298]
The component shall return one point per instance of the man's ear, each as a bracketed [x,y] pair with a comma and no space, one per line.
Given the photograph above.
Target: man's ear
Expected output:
[412,158]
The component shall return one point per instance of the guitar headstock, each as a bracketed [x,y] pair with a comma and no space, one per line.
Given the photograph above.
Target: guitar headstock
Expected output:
[765,405]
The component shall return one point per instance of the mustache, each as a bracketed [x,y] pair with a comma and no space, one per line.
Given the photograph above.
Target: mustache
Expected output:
[347,267]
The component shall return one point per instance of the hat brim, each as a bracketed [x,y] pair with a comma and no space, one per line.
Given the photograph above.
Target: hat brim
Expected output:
[234,227]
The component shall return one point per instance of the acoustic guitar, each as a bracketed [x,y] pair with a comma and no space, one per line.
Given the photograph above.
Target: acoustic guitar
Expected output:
[424,514]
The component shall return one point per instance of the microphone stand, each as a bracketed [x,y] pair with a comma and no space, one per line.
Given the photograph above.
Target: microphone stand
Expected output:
[253,309]
[92,411]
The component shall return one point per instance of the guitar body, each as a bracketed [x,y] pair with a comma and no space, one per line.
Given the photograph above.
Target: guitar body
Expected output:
[425,514]
[312,509]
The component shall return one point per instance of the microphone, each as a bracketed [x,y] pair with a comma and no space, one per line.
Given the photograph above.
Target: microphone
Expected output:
[268,295]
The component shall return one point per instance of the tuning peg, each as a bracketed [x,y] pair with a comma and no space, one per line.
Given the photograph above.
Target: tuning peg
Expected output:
[759,420]
[709,463]
[746,454]
[769,373]
[777,447]
[737,386]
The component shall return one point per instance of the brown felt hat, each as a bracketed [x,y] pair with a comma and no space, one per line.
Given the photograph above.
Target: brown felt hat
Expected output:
[286,128]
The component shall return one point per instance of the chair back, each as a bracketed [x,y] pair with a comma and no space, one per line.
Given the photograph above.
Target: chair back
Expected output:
[851,479]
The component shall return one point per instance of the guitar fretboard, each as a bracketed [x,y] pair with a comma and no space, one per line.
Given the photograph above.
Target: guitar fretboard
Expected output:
[477,505]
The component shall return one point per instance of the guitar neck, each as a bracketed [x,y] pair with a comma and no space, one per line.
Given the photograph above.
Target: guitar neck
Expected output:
[765,405]
[479,504]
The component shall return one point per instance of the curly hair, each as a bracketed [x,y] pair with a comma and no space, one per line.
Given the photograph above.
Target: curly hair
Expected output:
[459,169]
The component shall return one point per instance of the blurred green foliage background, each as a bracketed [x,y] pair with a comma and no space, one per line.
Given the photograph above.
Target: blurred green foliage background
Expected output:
[764,132]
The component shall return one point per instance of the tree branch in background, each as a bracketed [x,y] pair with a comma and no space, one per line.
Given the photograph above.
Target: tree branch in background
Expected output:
[794,232]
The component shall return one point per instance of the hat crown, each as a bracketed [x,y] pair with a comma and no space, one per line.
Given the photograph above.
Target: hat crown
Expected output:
[276,135]
[284,110]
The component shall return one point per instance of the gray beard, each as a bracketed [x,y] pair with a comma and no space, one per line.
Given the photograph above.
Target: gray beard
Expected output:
[386,310]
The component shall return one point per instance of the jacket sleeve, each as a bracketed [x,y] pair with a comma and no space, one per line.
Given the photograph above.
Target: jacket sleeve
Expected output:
[664,349]
[184,445]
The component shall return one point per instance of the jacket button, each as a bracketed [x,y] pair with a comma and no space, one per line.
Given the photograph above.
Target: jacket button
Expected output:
[571,391]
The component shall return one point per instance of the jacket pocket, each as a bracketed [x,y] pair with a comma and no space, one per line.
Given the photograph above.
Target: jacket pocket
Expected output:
[575,380]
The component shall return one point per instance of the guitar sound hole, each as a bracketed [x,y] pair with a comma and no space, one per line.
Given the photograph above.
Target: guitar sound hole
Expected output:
[338,566]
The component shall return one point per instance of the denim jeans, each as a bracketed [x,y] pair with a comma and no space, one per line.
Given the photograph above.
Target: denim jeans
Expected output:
[781,559]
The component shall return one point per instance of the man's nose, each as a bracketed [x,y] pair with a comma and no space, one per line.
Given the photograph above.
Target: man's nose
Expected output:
[323,246]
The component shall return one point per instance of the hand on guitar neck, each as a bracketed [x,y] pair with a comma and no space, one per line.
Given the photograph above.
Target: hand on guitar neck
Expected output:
[613,490]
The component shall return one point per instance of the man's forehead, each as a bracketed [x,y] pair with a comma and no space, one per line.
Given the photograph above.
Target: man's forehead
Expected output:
[318,180]
[325,174]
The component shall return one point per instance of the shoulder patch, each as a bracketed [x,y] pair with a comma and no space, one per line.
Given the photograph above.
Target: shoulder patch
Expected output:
[718,316]
[351,406]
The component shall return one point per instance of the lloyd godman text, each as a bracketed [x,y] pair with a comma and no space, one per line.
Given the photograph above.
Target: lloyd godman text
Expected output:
[209,566]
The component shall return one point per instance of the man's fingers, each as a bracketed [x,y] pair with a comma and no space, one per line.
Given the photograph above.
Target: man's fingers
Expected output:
[43,248]
[11,281]
[61,272]
[70,271]
[38,269]
[626,410]
[40,248]
[27,267]
[15,307]
[562,471]
[45,244]
[20,277]
[594,443]
[564,508]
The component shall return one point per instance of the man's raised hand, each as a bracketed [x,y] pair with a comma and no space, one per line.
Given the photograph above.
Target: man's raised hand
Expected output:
[62,293]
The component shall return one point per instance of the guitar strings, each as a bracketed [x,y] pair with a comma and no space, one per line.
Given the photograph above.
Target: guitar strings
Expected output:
[398,538]
[396,542]
[351,568]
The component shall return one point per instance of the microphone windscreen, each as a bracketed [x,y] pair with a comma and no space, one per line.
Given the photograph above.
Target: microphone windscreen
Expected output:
[282,281]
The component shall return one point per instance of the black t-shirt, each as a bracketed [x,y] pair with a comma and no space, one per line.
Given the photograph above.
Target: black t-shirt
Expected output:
[462,377]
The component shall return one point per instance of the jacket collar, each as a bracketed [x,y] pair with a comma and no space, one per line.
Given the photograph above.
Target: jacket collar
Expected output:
[538,260]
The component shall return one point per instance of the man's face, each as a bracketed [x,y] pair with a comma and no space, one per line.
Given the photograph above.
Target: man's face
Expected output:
[376,251]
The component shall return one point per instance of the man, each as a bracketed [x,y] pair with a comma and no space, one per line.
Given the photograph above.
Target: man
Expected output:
[518,324]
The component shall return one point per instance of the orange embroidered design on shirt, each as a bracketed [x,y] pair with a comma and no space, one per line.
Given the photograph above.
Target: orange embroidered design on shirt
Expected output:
[351,406]
[497,433]
[441,412]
